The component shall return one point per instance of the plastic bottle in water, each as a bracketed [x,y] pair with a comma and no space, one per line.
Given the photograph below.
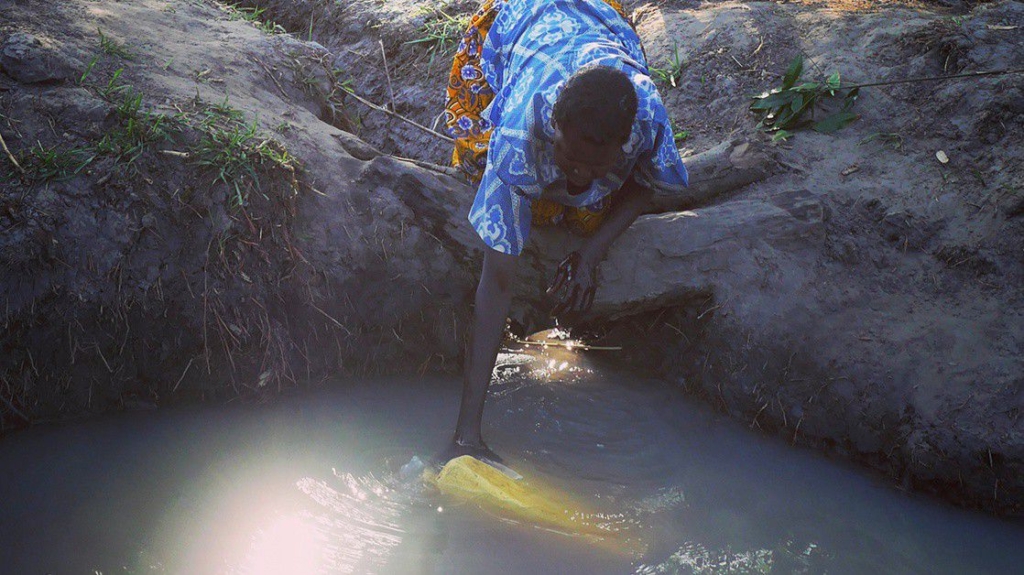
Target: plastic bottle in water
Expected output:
[412,470]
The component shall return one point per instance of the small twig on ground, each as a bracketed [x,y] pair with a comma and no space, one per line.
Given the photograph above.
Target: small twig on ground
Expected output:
[32,362]
[206,291]
[312,189]
[423,366]
[794,167]
[370,104]
[10,156]
[271,74]
[387,75]
[754,422]
[447,170]
[96,346]
[353,52]
[758,49]
[437,120]
[569,346]
[15,410]
[325,314]
[175,388]
[709,310]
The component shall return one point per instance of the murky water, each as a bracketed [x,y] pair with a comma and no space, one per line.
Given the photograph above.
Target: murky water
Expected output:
[309,486]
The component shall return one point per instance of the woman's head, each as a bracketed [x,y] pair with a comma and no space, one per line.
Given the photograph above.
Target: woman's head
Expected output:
[593,118]
[599,103]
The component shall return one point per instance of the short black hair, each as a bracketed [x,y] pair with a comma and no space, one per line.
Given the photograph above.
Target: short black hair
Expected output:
[599,102]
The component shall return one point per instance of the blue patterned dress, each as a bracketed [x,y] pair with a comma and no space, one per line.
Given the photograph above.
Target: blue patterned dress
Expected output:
[532,48]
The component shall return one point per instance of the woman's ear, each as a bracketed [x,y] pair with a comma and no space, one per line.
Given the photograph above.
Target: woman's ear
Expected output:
[558,137]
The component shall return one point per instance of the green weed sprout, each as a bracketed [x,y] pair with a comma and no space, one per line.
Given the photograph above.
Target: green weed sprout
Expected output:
[782,110]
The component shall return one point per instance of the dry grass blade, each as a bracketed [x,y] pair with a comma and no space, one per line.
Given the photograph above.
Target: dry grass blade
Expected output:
[10,156]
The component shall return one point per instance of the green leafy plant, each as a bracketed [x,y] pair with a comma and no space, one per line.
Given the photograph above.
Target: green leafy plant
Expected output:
[346,85]
[55,163]
[88,70]
[255,17]
[673,73]
[112,47]
[235,151]
[114,86]
[785,109]
[223,109]
[678,134]
[239,12]
[271,27]
[136,131]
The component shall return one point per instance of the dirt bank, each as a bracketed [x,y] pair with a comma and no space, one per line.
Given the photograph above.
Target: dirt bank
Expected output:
[865,299]
[182,217]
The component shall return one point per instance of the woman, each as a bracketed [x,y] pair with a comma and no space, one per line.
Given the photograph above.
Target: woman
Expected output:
[555,116]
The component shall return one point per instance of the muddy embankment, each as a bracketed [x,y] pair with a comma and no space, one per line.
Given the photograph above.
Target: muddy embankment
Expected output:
[857,295]
[183,217]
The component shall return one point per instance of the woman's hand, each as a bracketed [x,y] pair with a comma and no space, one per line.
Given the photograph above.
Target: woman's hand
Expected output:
[576,279]
[574,285]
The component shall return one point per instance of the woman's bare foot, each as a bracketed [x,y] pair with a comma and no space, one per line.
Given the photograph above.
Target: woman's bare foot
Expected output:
[458,448]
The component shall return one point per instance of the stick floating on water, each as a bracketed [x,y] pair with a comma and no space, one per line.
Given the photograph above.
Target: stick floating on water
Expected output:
[569,345]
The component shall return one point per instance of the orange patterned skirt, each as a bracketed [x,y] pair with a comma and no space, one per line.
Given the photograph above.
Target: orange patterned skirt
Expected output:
[468,94]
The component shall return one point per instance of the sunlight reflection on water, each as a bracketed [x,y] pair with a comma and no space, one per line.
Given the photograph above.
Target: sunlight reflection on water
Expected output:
[287,544]
[350,524]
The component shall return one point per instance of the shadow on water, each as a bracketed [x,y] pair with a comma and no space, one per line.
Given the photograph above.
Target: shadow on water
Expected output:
[310,485]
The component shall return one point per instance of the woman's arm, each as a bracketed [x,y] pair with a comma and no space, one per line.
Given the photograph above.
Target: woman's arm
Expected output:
[575,281]
[493,297]
[633,200]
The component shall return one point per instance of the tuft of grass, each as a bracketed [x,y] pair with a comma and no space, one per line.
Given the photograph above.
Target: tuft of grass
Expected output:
[112,47]
[782,110]
[678,134]
[114,86]
[235,151]
[45,164]
[220,138]
[672,74]
[223,109]
[137,131]
[254,16]
[88,70]
[890,139]
[329,85]
[441,32]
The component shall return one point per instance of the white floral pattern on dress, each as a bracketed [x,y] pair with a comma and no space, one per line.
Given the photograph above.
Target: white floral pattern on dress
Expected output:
[490,224]
[554,27]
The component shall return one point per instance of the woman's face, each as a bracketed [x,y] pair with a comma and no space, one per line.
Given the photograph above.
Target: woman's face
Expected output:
[581,160]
